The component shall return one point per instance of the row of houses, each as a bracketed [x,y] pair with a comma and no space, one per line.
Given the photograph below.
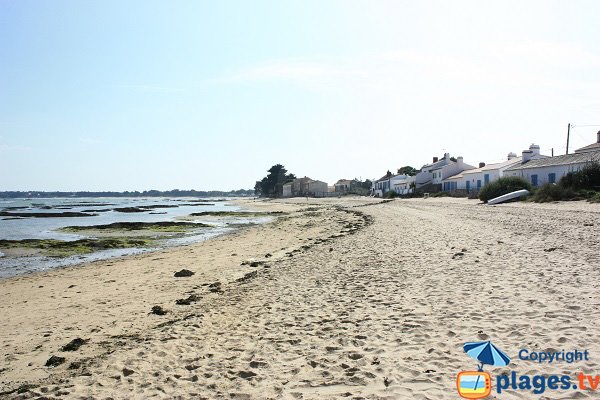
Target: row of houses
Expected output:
[454,175]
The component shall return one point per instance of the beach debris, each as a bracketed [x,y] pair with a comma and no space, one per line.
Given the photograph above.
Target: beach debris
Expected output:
[26,387]
[74,365]
[215,287]
[54,361]
[253,264]
[257,364]
[459,254]
[187,301]
[158,310]
[246,374]
[268,255]
[184,273]
[330,249]
[386,381]
[126,371]
[74,344]
[248,276]
[588,224]
[550,249]
[71,286]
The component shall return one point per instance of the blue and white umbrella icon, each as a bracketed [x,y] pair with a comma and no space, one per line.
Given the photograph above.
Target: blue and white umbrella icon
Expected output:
[486,353]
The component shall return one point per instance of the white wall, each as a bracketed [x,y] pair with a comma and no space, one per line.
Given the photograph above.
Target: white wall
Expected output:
[543,172]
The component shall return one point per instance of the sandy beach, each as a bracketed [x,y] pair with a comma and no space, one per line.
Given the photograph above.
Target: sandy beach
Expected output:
[337,298]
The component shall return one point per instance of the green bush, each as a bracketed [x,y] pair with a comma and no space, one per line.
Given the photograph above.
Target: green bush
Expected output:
[390,195]
[586,178]
[595,198]
[504,185]
[552,192]
[440,194]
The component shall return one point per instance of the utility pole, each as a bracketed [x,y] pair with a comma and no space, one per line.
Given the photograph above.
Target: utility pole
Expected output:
[568,133]
[553,152]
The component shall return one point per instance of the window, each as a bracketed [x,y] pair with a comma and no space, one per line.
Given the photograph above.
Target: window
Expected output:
[534,180]
[486,179]
[552,177]
[478,183]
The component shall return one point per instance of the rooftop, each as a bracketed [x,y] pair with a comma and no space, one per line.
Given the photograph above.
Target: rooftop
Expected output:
[588,148]
[567,159]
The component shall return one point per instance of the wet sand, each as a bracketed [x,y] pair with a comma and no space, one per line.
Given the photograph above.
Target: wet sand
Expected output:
[338,298]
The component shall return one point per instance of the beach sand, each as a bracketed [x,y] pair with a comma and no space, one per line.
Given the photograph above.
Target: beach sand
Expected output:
[338,298]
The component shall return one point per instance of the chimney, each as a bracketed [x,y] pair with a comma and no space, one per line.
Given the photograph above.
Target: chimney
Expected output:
[481,164]
[535,149]
[459,160]
[511,155]
[447,156]
[435,159]
[526,156]
[598,141]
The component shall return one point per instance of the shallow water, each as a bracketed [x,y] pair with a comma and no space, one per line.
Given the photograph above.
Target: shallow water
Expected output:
[46,228]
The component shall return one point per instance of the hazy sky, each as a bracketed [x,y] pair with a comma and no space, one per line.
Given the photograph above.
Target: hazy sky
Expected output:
[118,95]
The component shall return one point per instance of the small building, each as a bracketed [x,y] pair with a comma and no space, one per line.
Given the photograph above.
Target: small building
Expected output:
[305,187]
[382,185]
[342,186]
[403,184]
[287,190]
[317,188]
[431,176]
[539,171]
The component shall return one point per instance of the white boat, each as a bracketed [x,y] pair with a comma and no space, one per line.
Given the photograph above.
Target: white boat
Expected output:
[508,196]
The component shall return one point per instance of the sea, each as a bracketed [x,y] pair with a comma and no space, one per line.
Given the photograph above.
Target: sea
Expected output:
[103,210]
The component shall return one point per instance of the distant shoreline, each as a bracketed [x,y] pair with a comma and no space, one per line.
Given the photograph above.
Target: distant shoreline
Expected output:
[145,193]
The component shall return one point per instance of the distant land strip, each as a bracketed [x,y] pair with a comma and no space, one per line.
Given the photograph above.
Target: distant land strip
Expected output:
[145,193]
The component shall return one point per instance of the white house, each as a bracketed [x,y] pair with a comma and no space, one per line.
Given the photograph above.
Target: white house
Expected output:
[381,185]
[432,175]
[551,169]
[403,184]
[475,179]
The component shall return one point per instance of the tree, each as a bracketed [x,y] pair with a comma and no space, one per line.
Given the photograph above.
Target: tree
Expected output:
[272,184]
[408,170]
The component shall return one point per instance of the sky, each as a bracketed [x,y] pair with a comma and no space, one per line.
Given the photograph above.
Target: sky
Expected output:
[139,95]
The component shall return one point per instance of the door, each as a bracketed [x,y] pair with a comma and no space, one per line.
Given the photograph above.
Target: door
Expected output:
[534,180]
[486,179]
[468,185]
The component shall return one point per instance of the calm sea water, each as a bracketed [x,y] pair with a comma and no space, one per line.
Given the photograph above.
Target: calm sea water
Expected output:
[46,228]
